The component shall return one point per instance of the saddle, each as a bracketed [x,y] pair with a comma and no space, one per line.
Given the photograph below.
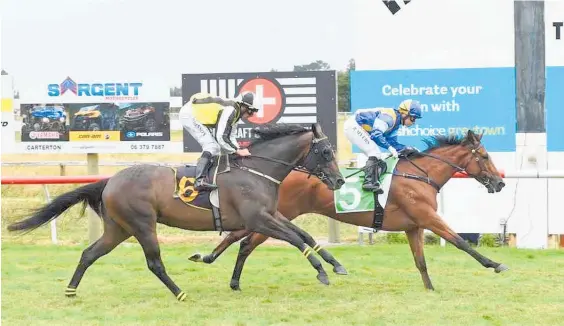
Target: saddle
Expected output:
[185,176]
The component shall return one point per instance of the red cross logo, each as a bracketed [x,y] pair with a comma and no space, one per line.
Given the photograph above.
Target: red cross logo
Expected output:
[268,100]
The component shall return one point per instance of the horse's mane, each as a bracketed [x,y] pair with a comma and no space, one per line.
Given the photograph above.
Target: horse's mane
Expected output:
[275,130]
[440,141]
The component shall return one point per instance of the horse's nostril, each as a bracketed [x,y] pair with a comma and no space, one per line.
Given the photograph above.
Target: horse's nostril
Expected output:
[340,182]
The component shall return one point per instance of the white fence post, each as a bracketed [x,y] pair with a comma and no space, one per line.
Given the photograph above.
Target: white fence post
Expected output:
[53,222]
[442,211]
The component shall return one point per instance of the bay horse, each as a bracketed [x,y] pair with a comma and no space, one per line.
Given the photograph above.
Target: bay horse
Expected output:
[411,205]
[135,199]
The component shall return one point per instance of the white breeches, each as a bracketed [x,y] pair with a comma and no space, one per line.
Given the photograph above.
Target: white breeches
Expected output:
[202,134]
[361,138]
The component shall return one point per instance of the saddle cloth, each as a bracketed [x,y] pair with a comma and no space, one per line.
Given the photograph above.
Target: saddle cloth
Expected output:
[185,177]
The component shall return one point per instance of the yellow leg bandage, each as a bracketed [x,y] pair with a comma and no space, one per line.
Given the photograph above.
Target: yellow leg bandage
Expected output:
[181,296]
[70,292]
[307,252]
[317,247]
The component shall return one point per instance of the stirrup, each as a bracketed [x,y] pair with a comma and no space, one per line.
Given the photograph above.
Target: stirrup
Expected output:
[374,187]
[203,186]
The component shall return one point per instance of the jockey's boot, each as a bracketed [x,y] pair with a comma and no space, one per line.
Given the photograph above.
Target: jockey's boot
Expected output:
[372,176]
[204,163]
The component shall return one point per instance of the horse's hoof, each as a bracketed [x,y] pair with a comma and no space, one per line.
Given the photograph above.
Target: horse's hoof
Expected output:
[196,258]
[340,270]
[501,268]
[323,278]
[235,286]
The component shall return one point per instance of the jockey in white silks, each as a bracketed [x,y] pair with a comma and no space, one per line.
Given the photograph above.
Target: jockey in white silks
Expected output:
[204,111]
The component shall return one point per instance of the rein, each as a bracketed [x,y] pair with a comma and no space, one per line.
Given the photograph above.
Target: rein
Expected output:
[300,168]
[426,178]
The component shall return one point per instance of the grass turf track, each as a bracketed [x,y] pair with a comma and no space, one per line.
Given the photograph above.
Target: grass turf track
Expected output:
[280,288]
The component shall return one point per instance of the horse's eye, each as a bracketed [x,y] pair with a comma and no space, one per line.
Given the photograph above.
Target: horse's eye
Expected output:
[327,153]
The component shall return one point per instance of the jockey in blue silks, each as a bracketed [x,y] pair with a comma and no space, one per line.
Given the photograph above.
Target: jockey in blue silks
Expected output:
[375,128]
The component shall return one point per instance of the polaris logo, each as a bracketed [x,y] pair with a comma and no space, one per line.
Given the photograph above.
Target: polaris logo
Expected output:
[150,134]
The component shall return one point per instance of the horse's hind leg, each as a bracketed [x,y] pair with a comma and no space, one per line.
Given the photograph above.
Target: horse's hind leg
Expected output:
[230,239]
[441,229]
[337,267]
[148,240]
[141,219]
[113,235]
[415,238]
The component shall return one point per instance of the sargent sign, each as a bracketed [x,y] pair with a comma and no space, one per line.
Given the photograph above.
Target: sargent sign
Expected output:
[85,115]
[108,90]
[299,98]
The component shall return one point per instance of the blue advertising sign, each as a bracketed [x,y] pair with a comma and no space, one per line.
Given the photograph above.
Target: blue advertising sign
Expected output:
[452,100]
[554,105]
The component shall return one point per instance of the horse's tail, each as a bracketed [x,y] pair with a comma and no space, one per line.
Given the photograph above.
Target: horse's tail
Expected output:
[90,194]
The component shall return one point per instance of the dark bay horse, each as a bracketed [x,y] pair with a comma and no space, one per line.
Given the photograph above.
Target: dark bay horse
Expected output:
[134,200]
[411,205]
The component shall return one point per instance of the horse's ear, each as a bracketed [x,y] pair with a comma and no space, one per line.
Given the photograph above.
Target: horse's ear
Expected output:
[316,127]
[473,137]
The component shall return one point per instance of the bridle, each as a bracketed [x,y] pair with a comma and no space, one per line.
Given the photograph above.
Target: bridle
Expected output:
[474,156]
[310,163]
[485,180]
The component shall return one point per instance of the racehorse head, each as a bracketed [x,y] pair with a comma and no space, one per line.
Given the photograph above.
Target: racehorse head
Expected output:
[469,156]
[298,148]
[481,165]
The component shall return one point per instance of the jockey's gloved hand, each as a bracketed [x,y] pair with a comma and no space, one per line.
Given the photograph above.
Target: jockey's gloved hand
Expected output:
[393,151]
[408,150]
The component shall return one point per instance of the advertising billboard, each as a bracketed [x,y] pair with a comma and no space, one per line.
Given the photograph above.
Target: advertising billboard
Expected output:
[452,100]
[301,98]
[115,116]
[554,40]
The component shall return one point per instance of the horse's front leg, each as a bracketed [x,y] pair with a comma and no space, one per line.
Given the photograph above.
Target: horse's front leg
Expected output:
[439,227]
[247,246]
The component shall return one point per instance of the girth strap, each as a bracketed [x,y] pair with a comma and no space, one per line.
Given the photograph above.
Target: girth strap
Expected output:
[244,168]
[217,225]
[420,178]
